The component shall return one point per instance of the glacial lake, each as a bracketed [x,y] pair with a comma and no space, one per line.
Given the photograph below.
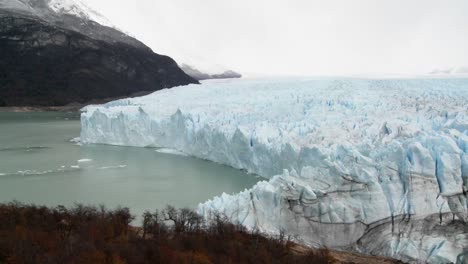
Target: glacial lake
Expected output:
[39,164]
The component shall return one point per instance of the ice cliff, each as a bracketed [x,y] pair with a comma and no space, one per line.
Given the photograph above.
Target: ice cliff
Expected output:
[378,166]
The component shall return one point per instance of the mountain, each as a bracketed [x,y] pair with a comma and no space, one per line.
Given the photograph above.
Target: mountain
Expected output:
[56,52]
[461,70]
[199,75]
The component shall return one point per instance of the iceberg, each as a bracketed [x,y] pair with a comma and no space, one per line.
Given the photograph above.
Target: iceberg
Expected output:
[378,166]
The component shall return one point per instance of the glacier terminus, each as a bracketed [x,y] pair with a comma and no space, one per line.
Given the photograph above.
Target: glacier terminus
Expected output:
[378,166]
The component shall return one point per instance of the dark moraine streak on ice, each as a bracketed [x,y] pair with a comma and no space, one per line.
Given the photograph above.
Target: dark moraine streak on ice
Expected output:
[374,165]
[39,164]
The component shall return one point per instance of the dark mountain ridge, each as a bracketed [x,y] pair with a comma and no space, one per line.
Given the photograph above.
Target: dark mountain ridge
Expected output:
[52,59]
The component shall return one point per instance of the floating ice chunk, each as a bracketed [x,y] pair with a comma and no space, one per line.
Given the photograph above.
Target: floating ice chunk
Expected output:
[170,151]
[76,140]
[112,167]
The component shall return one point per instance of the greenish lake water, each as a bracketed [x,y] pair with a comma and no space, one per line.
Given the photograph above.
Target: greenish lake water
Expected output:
[39,164]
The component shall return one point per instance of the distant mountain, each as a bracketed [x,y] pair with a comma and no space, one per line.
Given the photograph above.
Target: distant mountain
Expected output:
[199,75]
[450,71]
[55,52]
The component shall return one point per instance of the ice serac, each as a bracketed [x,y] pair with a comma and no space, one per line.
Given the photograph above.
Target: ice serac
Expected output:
[378,166]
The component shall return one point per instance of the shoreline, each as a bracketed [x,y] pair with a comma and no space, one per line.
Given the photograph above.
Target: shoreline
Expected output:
[72,107]
[30,109]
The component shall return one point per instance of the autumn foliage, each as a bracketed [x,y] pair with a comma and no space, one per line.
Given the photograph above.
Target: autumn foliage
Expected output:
[84,234]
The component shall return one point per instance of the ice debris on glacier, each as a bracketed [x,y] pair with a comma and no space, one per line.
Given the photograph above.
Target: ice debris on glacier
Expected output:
[344,156]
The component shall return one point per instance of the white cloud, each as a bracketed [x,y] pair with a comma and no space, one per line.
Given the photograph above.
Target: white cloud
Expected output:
[301,37]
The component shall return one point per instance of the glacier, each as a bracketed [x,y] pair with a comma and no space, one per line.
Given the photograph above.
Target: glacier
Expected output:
[377,166]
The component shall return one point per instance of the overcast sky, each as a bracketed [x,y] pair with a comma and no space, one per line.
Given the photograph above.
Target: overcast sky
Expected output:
[300,37]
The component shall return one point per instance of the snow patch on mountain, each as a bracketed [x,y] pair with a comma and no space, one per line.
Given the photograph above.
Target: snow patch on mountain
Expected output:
[47,8]
[14,4]
[79,9]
